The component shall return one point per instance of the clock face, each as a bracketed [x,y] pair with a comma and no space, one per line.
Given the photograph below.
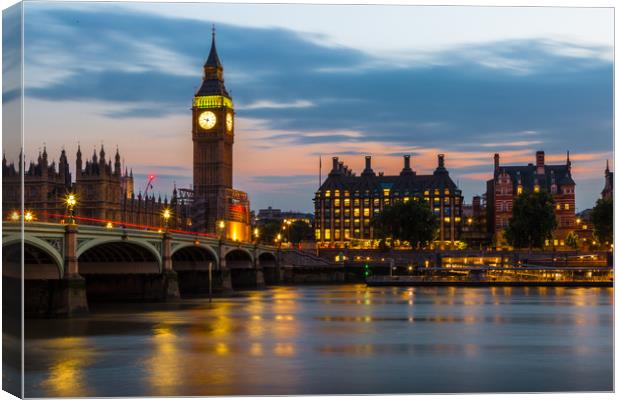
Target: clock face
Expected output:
[229,122]
[207,120]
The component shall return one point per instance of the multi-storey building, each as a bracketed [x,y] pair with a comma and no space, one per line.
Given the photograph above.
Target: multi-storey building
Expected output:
[509,181]
[345,203]
[104,194]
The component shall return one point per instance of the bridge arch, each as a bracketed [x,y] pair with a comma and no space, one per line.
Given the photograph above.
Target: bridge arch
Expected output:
[36,252]
[118,256]
[239,257]
[269,264]
[183,249]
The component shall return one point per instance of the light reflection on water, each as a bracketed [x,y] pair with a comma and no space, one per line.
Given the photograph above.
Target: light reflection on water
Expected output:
[335,339]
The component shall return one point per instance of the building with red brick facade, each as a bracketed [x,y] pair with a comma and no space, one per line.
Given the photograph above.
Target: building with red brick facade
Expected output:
[509,181]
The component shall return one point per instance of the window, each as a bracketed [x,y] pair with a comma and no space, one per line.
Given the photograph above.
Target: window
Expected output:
[327,234]
[356,212]
[347,233]
[317,234]
[347,212]
[536,188]
[557,206]
[356,202]
[366,212]
[336,193]
[406,199]
[336,202]
[519,189]
[337,234]
[386,192]
[555,242]
[567,206]
[328,193]
[346,193]
[347,202]
[376,202]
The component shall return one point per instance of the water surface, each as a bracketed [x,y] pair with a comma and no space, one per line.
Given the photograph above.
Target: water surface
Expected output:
[331,339]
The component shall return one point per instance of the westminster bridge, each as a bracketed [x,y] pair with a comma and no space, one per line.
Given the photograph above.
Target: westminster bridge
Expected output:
[66,264]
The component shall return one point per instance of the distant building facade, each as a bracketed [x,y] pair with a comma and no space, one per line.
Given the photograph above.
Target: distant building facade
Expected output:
[345,203]
[509,181]
[104,194]
[276,214]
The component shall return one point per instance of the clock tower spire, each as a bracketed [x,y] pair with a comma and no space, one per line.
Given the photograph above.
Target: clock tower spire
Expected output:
[213,138]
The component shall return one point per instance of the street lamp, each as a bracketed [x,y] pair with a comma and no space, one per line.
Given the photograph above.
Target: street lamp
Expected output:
[70,203]
[221,226]
[14,216]
[166,214]
[256,234]
[28,216]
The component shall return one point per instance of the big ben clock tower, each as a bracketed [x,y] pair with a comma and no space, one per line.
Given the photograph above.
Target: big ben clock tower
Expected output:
[217,207]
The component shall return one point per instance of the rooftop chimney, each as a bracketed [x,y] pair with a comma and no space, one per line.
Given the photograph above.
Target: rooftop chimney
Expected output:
[441,169]
[407,165]
[496,161]
[368,170]
[334,163]
[540,162]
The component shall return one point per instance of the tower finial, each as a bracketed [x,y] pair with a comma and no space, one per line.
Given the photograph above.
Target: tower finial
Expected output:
[213,31]
[607,166]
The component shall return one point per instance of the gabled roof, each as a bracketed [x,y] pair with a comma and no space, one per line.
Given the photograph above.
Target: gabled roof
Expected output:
[526,174]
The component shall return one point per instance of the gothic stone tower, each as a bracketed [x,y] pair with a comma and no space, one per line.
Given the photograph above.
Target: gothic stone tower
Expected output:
[213,137]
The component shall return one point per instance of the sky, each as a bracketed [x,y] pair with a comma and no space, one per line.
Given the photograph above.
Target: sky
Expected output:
[316,81]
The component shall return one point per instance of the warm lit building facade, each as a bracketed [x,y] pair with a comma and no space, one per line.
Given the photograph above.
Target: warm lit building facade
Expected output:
[104,194]
[509,181]
[345,203]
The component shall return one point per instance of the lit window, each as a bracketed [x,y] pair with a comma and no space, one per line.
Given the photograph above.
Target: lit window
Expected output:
[567,206]
[519,189]
[336,193]
[436,191]
[457,219]
[446,219]
[584,227]
[317,234]
[347,233]
[356,202]
[375,202]
[346,193]
[547,242]
[436,199]
[426,193]
[366,212]
[447,191]
[328,193]
[337,234]
[406,199]
[557,206]
[356,212]
[386,201]
[536,188]
[386,192]
[336,202]
[555,242]
[347,202]
[327,234]
[426,199]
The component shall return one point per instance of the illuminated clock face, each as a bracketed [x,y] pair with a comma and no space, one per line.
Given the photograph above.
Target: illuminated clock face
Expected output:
[207,120]
[229,122]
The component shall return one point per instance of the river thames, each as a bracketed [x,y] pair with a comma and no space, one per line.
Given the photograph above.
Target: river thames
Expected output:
[331,339]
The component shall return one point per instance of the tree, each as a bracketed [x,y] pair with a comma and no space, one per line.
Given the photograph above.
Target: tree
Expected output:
[533,220]
[300,230]
[411,221]
[603,220]
[572,240]
[269,230]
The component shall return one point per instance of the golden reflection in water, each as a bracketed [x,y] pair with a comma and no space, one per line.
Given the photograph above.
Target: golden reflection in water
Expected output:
[284,349]
[65,375]
[164,367]
[256,349]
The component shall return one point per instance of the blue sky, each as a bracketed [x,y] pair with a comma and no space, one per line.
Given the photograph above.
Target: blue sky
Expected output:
[312,81]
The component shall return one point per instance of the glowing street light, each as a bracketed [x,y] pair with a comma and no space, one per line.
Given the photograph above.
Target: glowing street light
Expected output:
[70,203]
[14,216]
[29,216]
[109,225]
[221,226]
[166,214]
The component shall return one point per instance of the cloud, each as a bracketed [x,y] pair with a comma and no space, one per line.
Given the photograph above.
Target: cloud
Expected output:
[274,104]
[298,94]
